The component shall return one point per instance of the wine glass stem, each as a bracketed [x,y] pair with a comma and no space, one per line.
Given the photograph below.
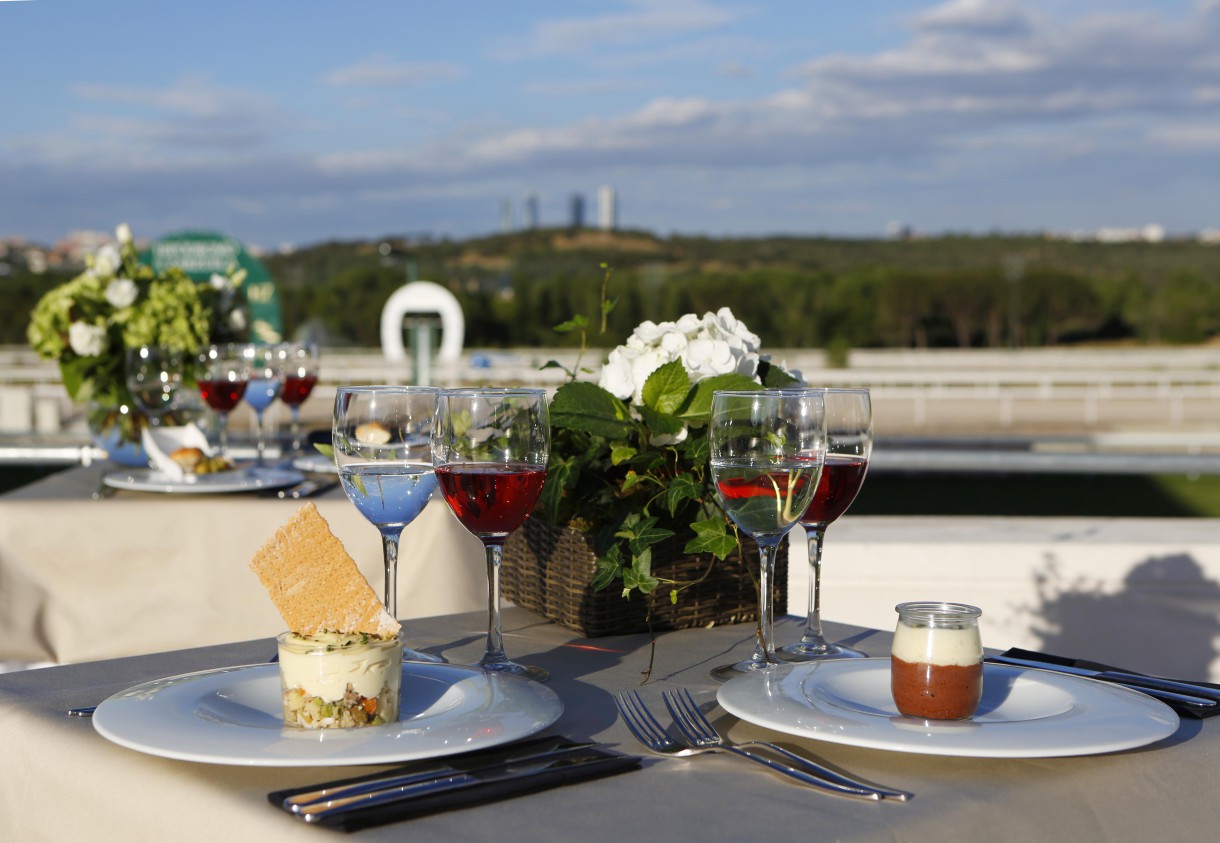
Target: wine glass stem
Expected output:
[389,547]
[764,650]
[296,430]
[813,625]
[495,634]
[222,427]
[262,435]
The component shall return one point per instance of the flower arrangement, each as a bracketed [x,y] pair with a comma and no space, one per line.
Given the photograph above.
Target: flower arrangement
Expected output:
[629,454]
[117,303]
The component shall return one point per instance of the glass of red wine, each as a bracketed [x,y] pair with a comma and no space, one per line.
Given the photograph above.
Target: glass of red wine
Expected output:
[490,449]
[849,444]
[221,376]
[766,449]
[299,363]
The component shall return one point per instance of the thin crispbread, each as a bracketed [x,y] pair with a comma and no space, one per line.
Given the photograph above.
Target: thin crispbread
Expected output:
[315,584]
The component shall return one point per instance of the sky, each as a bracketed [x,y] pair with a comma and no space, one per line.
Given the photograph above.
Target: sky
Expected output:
[298,122]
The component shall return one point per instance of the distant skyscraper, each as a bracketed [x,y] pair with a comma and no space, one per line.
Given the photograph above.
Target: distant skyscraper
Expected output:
[578,211]
[607,208]
[531,210]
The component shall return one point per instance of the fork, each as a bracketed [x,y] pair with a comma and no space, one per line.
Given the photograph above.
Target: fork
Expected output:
[649,731]
[698,730]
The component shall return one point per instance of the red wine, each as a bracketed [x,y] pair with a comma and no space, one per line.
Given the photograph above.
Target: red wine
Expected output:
[297,388]
[491,500]
[842,478]
[222,394]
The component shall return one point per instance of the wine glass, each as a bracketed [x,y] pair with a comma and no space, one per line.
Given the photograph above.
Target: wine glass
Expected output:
[849,444]
[266,381]
[381,440]
[222,376]
[490,449]
[299,362]
[154,374]
[766,449]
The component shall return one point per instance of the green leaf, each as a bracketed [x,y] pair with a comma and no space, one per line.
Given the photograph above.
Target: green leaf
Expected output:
[553,488]
[630,481]
[609,568]
[667,388]
[573,324]
[324,450]
[639,575]
[699,407]
[684,487]
[711,536]
[620,453]
[773,377]
[551,364]
[586,406]
[659,422]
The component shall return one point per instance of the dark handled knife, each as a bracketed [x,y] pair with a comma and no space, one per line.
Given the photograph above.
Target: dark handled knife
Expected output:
[298,801]
[1167,690]
[460,788]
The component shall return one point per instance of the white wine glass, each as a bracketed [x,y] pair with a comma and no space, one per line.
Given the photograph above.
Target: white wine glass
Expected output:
[153,375]
[381,439]
[490,449]
[849,446]
[766,449]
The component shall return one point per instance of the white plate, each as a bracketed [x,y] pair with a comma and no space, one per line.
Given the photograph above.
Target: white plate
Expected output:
[1024,713]
[315,462]
[233,716]
[238,480]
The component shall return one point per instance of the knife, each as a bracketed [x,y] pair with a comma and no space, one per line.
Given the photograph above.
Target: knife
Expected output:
[465,788]
[535,750]
[1167,690]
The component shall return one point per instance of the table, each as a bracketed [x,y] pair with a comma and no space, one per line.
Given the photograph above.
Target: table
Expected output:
[67,783]
[84,579]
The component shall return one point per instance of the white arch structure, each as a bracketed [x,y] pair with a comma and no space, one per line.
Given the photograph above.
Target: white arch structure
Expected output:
[422,297]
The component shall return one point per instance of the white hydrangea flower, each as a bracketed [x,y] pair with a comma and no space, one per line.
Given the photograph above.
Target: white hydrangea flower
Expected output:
[107,261]
[616,374]
[87,340]
[121,292]
[123,233]
[219,282]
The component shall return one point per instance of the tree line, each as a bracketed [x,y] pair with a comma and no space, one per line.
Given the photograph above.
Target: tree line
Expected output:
[794,292]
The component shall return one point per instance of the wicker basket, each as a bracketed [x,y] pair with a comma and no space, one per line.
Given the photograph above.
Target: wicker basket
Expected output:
[549,570]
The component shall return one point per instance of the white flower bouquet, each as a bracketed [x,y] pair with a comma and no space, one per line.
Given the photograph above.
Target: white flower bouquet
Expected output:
[117,303]
[629,453]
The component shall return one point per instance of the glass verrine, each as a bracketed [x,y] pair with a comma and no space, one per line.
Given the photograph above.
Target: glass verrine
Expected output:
[153,375]
[490,449]
[766,449]
[266,381]
[299,362]
[381,439]
[222,375]
[849,446]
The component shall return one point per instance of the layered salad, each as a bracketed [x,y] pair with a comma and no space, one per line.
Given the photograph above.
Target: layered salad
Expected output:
[339,679]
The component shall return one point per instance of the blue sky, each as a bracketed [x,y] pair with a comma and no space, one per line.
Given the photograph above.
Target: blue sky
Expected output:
[295,122]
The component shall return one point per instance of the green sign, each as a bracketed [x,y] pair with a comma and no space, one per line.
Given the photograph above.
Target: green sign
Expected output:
[201,254]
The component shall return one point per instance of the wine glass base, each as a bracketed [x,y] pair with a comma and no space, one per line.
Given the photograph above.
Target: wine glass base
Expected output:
[528,671]
[409,655]
[804,652]
[729,671]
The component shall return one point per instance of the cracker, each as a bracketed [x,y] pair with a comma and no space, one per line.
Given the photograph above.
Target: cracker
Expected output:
[315,584]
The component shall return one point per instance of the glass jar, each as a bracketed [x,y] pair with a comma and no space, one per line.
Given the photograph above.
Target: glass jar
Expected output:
[937,660]
[334,680]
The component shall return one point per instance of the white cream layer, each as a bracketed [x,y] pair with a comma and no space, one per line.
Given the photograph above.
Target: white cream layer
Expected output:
[327,674]
[937,646]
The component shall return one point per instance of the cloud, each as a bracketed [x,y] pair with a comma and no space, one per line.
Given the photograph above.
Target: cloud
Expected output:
[643,21]
[383,71]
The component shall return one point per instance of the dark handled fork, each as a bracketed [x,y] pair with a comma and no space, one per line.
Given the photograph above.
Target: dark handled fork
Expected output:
[649,731]
[699,731]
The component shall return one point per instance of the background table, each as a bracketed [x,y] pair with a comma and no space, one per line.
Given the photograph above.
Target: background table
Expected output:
[67,783]
[136,573]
